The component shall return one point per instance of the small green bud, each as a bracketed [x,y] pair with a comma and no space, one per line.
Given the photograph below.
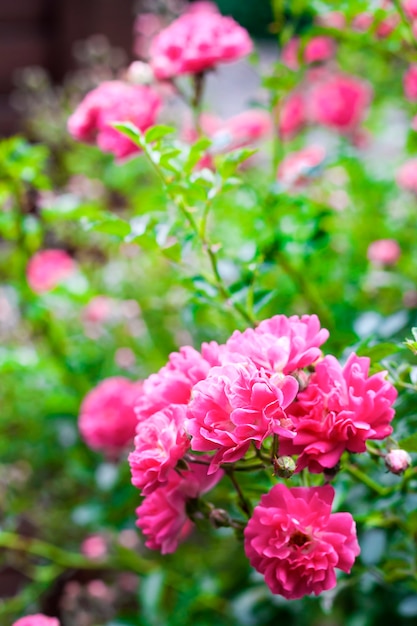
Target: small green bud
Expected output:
[284,466]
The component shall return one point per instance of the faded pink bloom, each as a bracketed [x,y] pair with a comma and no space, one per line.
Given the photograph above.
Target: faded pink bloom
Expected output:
[410,83]
[173,383]
[37,619]
[292,115]
[296,542]
[94,547]
[160,443]
[202,7]
[197,42]
[107,419]
[244,129]
[278,345]
[397,461]
[387,26]
[290,54]
[98,310]
[407,176]
[363,21]
[114,101]
[410,7]
[384,251]
[236,405]
[296,167]
[333,19]
[341,408]
[162,516]
[339,101]
[47,268]
[319,48]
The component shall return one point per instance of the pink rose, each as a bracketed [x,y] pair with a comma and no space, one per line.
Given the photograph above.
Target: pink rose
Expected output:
[410,83]
[296,167]
[114,101]
[320,48]
[407,176]
[98,309]
[36,620]
[296,542]
[384,251]
[162,516]
[292,115]
[197,41]
[340,409]
[339,101]
[243,129]
[47,268]
[160,443]
[94,547]
[410,7]
[107,419]
[236,405]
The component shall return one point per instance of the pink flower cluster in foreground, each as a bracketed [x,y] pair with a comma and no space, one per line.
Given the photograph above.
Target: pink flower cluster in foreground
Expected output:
[107,419]
[37,619]
[196,42]
[114,101]
[206,410]
[295,540]
[48,268]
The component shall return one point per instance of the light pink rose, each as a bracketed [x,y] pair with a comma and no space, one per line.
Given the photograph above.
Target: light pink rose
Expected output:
[196,42]
[292,115]
[48,268]
[333,19]
[290,54]
[407,176]
[363,21]
[160,443]
[243,129]
[173,383]
[94,547]
[397,461]
[236,405]
[410,7]
[296,542]
[107,419]
[410,83]
[384,251]
[37,619]
[114,101]
[295,168]
[340,409]
[278,345]
[162,516]
[98,309]
[339,101]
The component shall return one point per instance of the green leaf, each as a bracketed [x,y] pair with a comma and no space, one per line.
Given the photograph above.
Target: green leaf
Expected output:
[158,132]
[409,444]
[379,352]
[111,225]
[130,130]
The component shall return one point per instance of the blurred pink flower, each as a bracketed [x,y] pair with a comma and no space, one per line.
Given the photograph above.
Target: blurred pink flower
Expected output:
[339,101]
[340,409]
[244,129]
[37,619]
[94,547]
[98,309]
[320,48]
[202,6]
[290,54]
[47,268]
[295,168]
[236,405]
[410,83]
[296,542]
[196,42]
[292,115]
[384,251]
[114,101]
[162,516]
[397,461]
[363,21]
[407,176]
[160,443]
[333,19]
[107,419]
[410,8]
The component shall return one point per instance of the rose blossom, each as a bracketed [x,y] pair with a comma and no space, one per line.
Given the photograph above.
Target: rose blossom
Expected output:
[94,547]
[296,166]
[38,619]
[173,383]
[278,345]
[340,409]
[114,101]
[410,7]
[234,406]
[384,251]
[243,129]
[410,83]
[47,268]
[162,516]
[319,48]
[292,115]
[196,42]
[333,19]
[407,176]
[397,461]
[160,442]
[107,418]
[296,542]
[339,101]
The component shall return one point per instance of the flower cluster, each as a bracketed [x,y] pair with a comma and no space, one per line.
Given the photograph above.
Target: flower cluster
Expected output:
[266,394]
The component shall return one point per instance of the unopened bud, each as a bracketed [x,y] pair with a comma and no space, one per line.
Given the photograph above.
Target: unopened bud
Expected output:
[140,73]
[284,466]
[219,518]
[397,461]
